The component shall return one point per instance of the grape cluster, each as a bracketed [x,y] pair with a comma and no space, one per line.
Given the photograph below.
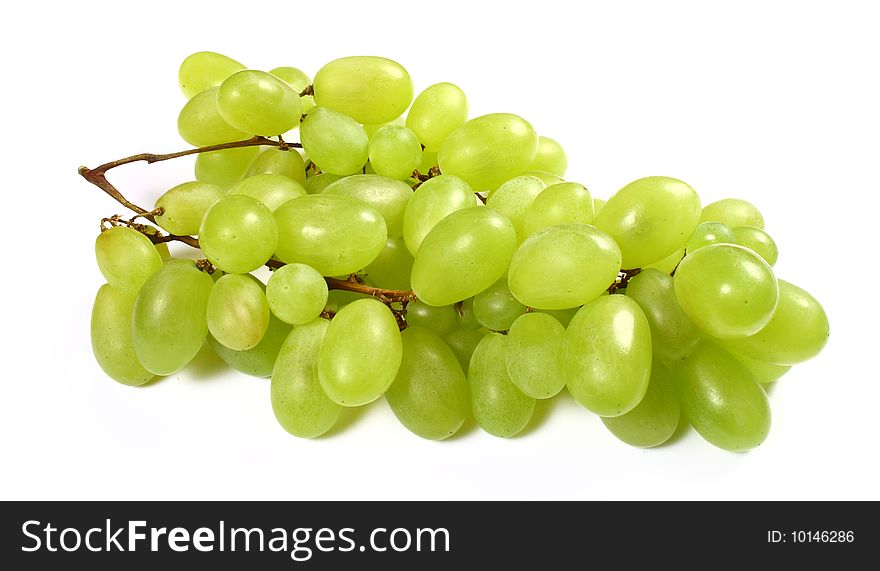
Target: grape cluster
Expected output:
[445,264]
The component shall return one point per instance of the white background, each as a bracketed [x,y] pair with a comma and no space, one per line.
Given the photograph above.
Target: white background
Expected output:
[775,102]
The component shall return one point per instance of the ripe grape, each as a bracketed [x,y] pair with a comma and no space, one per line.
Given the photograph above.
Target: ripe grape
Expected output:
[296,293]
[205,70]
[433,201]
[258,103]
[654,420]
[126,258]
[184,206]
[561,203]
[388,196]
[394,152]
[710,233]
[372,90]
[550,157]
[499,407]
[238,234]
[237,312]
[335,142]
[200,122]
[437,111]
[758,241]
[271,190]
[534,355]
[276,161]
[259,360]
[111,337]
[227,167]
[733,212]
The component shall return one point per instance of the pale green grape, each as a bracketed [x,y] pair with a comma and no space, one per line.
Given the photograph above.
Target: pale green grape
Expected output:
[335,142]
[598,203]
[489,150]
[126,258]
[392,267]
[710,233]
[271,190]
[673,335]
[371,129]
[388,196]
[733,212]
[436,112]
[184,206]
[395,151]
[201,124]
[463,342]
[563,316]
[549,179]
[360,354]
[550,157]
[298,80]
[259,103]
[238,234]
[300,404]
[335,234]
[371,89]
[495,308]
[797,331]
[650,219]
[721,399]
[430,395]
[168,320]
[204,70]
[563,266]
[318,183]
[758,241]
[513,198]
[726,290]
[111,337]
[466,317]
[164,252]
[433,201]
[499,407]
[562,203]
[534,355]
[441,320]
[275,161]
[237,312]
[669,263]
[462,255]
[654,420]
[762,371]
[224,168]
[297,293]
[607,355]
[257,361]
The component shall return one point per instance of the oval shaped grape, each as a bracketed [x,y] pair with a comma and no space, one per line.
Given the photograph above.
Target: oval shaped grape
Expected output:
[373,90]
[499,407]
[111,337]
[388,196]
[758,241]
[607,355]
[204,70]
[673,334]
[550,157]
[654,420]
[534,355]
[200,123]
[259,103]
[226,167]
[184,206]
[733,212]
[495,308]
[395,152]
[287,163]
[335,142]
[126,258]
[562,203]
[392,267]
[361,353]
[297,293]
[238,234]
[259,360]
[437,111]
[237,312]
[270,190]
[513,199]
[434,200]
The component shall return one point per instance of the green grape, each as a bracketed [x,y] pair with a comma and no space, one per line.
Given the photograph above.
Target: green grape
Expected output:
[758,241]
[111,337]
[168,320]
[598,203]
[549,179]
[361,353]
[563,266]
[259,103]
[300,404]
[392,267]
[607,355]
[466,317]
[499,407]
[650,219]
[259,360]
[762,371]
[371,129]
[297,293]
[654,420]
[669,263]
[733,212]
[796,332]
[429,159]
[164,252]
[395,151]
[434,200]
[224,168]
[205,70]
[563,316]
[721,399]
[463,342]
[335,142]
[562,203]
[200,123]
[238,234]
[430,395]
[726,290]
[436,113]
[337,299]
[709,233]
[495,308]
[126,258]
[534,355]
[318,183]
[271,190]
[388,196]
[462,255]
[335,234]
[489,150]
[275,161]
[441,320]
[184,206]
[673,335]
[371,89]
[550,157]
[298,80]
[513,198]
[237,313]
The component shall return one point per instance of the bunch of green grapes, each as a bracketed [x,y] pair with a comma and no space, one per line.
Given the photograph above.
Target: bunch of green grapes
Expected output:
[445,264]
